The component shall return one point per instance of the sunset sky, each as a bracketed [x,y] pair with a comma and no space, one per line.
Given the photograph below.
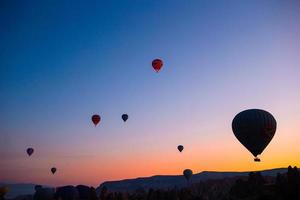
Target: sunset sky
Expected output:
[63,61]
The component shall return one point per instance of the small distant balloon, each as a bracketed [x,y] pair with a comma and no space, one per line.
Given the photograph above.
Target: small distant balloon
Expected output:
[96,119]
[187,173]
[124,117]
[254,128]
[157,64]
[30,151]
[180,148]
[53,170]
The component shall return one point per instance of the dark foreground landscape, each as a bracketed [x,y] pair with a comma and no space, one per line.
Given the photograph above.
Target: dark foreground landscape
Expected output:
[274,184]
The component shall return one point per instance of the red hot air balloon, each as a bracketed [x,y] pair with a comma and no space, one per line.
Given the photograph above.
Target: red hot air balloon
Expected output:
[157,64]
[30,151]
[96,119]
[53,170]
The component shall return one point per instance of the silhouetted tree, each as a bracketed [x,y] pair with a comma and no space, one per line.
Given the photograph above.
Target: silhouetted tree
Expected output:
[93,194]
[103,193]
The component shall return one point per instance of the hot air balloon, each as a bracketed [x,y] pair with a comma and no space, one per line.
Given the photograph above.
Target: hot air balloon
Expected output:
[124,117]
[180,148]
[157,64]
[254,128]
[30,151]
[96,119]
[53,170]
[187,173]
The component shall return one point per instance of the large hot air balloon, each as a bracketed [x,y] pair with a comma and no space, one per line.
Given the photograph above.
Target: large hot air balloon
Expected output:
[29,151]
[254,128]
[157,64]
[96,119]
[53,170]
[187,173]
[180,148]
[124,117]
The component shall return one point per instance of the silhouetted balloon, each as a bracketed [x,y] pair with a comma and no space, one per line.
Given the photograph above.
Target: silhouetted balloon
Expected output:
[187,173]
[53,170]
[30,151]
[254,128]
[180,148]
[96,119]
[157,64]
[124,117]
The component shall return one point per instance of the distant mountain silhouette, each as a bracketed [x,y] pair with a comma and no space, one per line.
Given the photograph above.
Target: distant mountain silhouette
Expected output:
[167,182]
[154,182]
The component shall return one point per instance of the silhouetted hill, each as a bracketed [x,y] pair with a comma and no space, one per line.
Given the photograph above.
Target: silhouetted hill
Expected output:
[154,182]
[178,181]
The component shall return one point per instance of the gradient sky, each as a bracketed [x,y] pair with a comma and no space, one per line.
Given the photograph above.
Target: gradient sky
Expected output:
[63,61]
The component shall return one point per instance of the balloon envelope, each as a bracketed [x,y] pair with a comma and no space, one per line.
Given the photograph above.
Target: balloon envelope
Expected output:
[124,117]
[53,170]
[96,119]
[157,64]
[30,151]
[254,128]
[180,148]
[187,173]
